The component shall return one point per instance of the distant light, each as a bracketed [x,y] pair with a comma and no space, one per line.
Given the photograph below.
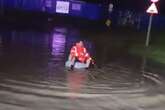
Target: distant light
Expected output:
[110,8]
[154,1]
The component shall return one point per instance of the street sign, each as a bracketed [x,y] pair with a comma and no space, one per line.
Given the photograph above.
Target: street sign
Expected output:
[152,9]
[154,1]
[62,7]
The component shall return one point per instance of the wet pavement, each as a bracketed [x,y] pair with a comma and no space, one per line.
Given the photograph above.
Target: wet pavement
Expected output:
[33,76]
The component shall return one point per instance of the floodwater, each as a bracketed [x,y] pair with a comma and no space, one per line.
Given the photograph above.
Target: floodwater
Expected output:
[33,76]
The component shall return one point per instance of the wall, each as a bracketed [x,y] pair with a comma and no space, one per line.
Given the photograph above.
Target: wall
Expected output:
[76,8]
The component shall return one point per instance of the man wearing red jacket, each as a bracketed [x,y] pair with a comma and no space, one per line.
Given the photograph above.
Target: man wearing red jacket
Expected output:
[79,53]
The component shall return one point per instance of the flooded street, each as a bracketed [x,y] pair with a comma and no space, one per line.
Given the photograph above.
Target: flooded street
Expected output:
[33,76]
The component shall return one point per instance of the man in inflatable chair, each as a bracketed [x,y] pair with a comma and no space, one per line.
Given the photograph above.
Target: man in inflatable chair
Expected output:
[79,57]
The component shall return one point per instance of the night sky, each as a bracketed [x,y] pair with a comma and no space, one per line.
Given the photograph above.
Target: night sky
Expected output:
[137,5]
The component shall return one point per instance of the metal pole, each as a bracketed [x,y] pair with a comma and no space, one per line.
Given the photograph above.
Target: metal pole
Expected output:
[149,31]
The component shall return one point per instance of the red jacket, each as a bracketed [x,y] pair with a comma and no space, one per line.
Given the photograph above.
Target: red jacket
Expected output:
[80,53]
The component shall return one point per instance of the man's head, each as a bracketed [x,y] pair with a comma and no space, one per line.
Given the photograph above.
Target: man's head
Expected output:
[81,44]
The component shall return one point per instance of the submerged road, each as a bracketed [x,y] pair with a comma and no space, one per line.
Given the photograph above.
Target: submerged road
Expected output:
[33,76]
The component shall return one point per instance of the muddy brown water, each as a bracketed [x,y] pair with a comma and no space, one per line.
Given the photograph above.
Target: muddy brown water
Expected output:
[33,76]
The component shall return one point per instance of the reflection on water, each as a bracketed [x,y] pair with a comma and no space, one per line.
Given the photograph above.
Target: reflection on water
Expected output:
[58,44]
[76,80]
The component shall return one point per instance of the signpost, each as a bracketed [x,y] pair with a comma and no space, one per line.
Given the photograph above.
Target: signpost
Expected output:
[151,10]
